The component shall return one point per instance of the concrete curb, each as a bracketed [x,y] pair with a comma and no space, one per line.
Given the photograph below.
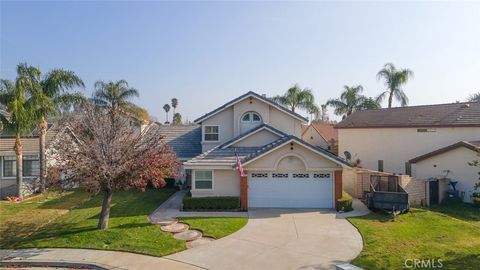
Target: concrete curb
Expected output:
[52,264]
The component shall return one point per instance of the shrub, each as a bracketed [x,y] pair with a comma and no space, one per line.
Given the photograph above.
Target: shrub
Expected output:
[210,203]
[170,182]
[476,199]
[345,202]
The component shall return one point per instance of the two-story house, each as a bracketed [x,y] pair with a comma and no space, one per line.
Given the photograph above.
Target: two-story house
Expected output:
[281,169]
[427,142]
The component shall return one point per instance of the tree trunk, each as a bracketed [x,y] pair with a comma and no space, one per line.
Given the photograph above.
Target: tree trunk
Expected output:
[43,161]
[19,153]
[390,99]
[105,214]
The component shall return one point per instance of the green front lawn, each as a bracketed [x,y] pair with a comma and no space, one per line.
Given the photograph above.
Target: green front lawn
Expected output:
[215,227]
[448,232]
[129,229]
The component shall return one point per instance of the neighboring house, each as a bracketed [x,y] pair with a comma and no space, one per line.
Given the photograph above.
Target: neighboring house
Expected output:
[452,162]
[281,169]
[31,165]
[321,134]
[433,137]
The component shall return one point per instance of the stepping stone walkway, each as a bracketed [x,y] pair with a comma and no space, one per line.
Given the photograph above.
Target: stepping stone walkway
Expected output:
[189,235]
[175,228]
[199,242]
[181,231]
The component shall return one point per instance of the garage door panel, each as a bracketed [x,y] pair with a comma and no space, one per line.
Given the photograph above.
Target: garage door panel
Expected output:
[305,190]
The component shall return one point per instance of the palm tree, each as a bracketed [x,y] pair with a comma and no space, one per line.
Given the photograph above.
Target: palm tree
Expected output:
[17,100]
[351,100]
[177,119]
[50,99]
[174,104]
[295,97]
[114,95]
[474,97]
[394,79]
[166,107]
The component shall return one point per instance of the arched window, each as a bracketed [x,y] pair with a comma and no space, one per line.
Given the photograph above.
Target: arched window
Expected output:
[251,117]
[249,120]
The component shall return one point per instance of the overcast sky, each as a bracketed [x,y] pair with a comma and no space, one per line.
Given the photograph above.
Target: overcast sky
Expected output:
[206,53]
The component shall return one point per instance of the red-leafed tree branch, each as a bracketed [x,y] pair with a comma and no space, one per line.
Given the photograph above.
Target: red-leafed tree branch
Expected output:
[108,152]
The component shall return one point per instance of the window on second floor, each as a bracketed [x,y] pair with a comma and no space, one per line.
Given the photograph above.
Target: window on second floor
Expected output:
[251,117]
[210,133]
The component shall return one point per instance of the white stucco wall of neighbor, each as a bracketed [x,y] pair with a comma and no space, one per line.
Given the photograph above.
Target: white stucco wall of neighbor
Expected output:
[456,161]
[395,146]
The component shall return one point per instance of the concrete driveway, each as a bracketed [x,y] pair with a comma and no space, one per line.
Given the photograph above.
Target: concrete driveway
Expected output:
[281,239]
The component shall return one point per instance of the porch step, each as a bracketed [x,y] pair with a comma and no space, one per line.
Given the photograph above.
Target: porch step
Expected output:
[175,228]
[189,235]
[199,242]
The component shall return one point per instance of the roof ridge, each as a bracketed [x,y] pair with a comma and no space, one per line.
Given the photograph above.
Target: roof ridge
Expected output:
[260,97]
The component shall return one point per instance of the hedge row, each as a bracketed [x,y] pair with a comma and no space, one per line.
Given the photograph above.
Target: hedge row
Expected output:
[210,203]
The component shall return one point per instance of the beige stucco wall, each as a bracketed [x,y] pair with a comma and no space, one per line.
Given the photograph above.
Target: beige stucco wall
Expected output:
[456,161]
[225,128]
[312,137]
[285,122]
[249,105]
[312,160]
[258,139]
[225,183]
[395,146]
[229,124]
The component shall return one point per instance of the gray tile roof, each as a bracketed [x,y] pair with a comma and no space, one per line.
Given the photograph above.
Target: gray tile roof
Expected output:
[260,97]
[438,115]
[222,157]
[185,140]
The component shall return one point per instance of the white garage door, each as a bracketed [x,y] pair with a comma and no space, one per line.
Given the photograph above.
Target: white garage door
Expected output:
[290,190]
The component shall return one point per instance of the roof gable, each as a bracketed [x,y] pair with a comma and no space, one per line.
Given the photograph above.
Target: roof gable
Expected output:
[474,146]
[253,95]
[252,132]
[288,139]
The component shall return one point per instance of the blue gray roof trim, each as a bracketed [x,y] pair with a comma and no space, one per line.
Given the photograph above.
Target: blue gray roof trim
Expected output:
[288,138]
[248,133]
[226,156]
[185,140]
[250,93]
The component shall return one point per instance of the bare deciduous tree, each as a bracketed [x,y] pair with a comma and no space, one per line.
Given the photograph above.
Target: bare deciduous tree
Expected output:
[105,158]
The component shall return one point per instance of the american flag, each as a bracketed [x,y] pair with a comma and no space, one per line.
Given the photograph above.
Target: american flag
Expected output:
[239,166]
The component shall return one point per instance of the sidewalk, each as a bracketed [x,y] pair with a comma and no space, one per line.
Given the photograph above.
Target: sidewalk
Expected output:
[170,210]
[114,260]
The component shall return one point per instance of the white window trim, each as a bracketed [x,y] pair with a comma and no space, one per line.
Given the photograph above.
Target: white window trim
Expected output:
[203,134]
[194,184]
[8,177]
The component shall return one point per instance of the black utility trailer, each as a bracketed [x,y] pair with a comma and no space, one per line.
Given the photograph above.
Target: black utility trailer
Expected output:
[386,194]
